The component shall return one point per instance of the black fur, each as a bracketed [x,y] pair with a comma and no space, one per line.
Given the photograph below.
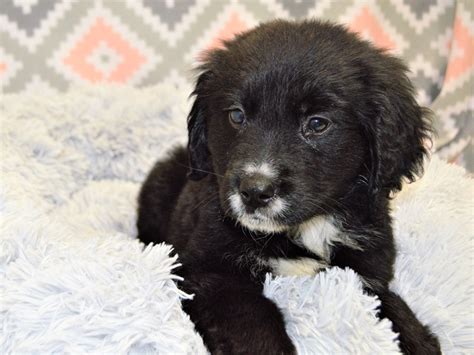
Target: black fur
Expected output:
[280,74]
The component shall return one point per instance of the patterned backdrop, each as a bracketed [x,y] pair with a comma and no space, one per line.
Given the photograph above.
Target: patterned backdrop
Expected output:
[51,44]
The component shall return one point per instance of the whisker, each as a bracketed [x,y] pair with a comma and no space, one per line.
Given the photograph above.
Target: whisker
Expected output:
[205,201]
[265,244]
[201,170]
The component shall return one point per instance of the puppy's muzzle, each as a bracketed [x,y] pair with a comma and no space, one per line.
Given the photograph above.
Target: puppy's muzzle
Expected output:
[257,190]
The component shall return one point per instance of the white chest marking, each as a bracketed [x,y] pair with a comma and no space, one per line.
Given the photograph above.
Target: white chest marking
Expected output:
[318,235]
[295,267]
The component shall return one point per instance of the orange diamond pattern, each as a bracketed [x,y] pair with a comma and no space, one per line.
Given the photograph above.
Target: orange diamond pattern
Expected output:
[233,25]
[100,32]
[462,58]
[369,27]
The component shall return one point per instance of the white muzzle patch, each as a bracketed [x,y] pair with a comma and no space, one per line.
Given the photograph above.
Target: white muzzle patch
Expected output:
[263,219]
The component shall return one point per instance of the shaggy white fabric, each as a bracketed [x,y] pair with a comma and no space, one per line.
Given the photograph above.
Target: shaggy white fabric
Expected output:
[73,279]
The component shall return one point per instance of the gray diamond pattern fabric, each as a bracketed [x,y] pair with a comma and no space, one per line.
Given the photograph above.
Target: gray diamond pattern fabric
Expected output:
[53,44]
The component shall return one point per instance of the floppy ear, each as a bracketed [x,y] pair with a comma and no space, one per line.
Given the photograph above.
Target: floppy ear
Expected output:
[199,157]
[399,133]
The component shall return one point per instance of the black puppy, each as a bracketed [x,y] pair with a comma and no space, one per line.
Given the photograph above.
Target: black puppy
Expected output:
[298,135]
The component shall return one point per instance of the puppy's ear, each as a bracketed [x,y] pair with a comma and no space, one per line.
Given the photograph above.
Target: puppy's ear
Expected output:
[199,157]
[400,131]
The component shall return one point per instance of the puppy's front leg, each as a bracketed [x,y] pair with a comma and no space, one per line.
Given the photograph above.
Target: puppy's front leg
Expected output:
[233,317]
[375,268]
[415,338]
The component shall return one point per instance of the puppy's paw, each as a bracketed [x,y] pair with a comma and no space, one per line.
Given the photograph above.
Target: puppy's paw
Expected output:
[423,344]
[250,337]
[277,345]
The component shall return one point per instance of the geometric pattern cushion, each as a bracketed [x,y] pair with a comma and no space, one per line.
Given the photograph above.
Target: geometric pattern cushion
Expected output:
[52,44]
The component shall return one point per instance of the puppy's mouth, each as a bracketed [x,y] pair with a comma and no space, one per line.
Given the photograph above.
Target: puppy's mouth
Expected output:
[263,219]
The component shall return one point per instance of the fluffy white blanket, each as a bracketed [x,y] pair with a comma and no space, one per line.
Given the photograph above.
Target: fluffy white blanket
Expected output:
[73,279]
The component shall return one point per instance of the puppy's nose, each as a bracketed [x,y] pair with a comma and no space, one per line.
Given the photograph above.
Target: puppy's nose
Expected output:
[256,190]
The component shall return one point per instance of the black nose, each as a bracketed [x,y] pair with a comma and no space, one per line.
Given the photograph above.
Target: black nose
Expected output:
[256,190]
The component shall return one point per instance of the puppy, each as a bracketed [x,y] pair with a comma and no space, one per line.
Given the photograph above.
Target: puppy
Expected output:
[298,135]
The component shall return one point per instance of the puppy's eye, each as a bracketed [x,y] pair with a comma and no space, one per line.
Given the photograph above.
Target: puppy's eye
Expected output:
[318,124]
[236,117]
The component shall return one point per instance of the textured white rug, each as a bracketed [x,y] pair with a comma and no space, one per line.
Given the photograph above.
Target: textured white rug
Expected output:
[73,279]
